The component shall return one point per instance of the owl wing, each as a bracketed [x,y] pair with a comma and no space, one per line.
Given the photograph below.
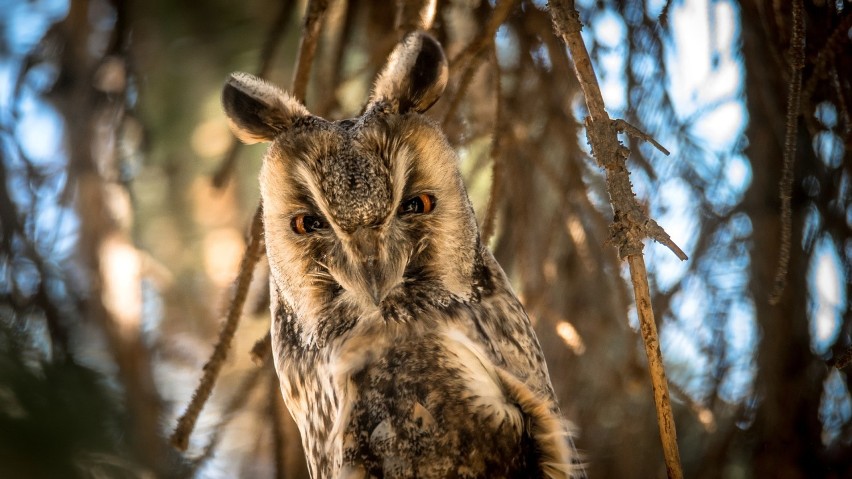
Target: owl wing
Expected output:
[503,327]
[434,405]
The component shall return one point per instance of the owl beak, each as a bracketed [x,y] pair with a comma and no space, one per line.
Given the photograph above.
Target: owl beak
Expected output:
[374,283]
[375,280]
[373,275]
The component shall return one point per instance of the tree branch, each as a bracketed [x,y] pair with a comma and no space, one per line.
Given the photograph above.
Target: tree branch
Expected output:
[488,223]
[254,250]
[307,47]
[470,59]
[794,95]
[270,45]
[630,225]
[842,360]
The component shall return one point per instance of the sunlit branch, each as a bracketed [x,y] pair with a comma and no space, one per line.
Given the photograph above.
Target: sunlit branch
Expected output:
[469,59]
[270,45]
[238,400]
[254,250]
[630,225]
[497,138]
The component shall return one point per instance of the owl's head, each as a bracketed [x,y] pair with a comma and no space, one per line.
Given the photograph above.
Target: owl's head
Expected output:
[364,216]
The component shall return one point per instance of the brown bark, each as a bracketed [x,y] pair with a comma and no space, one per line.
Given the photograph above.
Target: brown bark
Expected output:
[630,226]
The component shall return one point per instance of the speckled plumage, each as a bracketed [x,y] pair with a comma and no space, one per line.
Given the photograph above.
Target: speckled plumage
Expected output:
[401,349]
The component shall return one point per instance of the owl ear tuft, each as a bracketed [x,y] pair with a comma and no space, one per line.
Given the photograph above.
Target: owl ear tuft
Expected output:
[258,110]
[414,77]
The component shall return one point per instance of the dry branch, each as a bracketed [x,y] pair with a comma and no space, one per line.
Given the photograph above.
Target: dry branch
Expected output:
[237,401]
[843,359]
[469,59]
[270,45]
[261,349]
[486,35]
[307,47]
[630,225]
[833,46]
[254,250]
[488,223]
[797,62]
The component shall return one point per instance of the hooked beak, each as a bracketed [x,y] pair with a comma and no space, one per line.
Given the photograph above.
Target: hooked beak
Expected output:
[371,272]
[376,278]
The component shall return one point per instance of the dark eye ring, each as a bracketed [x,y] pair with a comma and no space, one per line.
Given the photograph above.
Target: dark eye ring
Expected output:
[304,224]
[420,204]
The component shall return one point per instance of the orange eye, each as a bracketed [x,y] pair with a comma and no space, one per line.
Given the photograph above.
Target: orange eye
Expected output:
[420,204]
[304,224]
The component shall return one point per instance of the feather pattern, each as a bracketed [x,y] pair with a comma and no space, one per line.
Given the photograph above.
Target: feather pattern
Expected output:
[401,349]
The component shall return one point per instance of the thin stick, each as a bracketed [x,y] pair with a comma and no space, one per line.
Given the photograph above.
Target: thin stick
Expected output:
[237,401]
[261,349]
[307,47]
[186,423]
[469,59]
[461,89]
[270,45]
[486,35]
[630,224]
[488,222]
[254,249]
[665,417]
[843,359]
[797,62]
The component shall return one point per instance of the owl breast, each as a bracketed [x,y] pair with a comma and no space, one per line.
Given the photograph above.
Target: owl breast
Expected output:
[428,404]
[460,392]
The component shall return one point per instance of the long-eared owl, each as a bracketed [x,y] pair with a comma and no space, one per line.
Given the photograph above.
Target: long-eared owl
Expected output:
[401,349]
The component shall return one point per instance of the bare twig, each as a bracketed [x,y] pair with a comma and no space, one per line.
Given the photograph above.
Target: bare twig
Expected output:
[842,360]
[226,167]
[469,60]
[486,35]
[664,14]
[797,62]
[270,45]
[833,45]
[841,104]
[307,47]
[237,401]
[254,250]
[463,84]
[630,224]
[631,130]
[496,153]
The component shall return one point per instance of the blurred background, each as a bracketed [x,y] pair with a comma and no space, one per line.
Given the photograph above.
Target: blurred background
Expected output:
[125,204]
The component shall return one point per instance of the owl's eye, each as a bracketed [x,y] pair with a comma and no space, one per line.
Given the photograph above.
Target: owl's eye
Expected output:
[304,224]
[420,204]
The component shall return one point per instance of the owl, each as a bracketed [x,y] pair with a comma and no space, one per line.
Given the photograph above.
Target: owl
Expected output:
[401,349]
